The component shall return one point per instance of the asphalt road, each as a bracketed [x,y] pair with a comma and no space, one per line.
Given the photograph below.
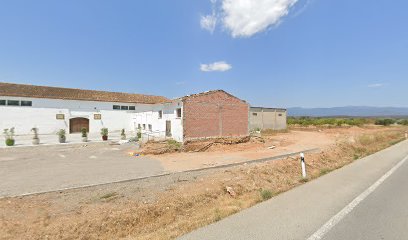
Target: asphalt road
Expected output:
[367,199]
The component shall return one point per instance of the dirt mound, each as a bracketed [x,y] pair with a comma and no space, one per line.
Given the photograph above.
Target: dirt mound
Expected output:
[156,148]
[204,145]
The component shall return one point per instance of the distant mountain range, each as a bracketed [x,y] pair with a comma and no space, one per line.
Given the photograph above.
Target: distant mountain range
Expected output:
[350,111]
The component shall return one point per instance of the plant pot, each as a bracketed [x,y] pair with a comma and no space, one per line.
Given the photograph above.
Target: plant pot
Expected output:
[84,139]
[36,141]
[123,137]
[105,138]
[61,139]
[10,142]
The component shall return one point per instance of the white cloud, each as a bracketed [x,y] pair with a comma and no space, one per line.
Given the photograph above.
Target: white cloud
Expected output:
[215,67]
[376,85]
[244,18]
[208,22]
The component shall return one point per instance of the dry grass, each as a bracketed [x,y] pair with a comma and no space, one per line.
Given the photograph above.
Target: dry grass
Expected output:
[186,207]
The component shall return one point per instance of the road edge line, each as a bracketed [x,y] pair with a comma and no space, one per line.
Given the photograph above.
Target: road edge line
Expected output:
[319,234]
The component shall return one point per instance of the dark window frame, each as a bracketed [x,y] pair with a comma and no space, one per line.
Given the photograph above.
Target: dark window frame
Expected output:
[26,103]
[124,108]
[13,101]
[116,107]
[3,102]
[178,113]
[160,114]
[132,108]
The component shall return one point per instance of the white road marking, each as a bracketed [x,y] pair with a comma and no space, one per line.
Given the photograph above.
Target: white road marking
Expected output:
[319,234]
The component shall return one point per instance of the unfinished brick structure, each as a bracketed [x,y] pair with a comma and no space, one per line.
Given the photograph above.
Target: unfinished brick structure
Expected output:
[214,114]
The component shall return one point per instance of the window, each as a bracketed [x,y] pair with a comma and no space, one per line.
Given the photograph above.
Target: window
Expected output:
[160,114]
[124,108]
[116,107]
[254,114]
[178,112]
[97,116]
[132,108]
[26,103]
[144,126]
[60,116]
[150,127]
[138,126]
[2,102]
[280,114]
[13,103]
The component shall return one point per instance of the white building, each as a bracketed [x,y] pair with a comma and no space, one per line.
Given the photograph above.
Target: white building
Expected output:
[50,109]
[210,114]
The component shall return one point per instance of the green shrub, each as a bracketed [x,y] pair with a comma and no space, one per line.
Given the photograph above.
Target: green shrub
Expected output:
[266,194]
[84,132]
[385,122]
[10,142]
[403,122]
[309,121]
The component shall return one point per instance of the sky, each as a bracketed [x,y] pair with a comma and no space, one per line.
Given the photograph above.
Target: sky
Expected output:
[271,53]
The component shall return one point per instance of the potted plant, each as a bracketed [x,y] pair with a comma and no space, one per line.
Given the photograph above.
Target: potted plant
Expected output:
[122,134]
[9,135]
[36,139]
[104,133]
[84,135]
[61,135]
[139,133]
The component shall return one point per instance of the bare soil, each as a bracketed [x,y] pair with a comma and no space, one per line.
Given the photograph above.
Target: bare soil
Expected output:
[169,206]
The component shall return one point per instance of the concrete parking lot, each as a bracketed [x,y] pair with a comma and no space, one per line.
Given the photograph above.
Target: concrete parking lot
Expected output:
[46,168]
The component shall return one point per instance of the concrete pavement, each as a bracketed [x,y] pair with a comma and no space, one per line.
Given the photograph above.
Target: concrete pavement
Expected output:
[50,168]
[301,212]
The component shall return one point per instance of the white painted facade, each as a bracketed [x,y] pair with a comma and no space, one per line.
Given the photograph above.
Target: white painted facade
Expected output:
[42,115]
[157,128]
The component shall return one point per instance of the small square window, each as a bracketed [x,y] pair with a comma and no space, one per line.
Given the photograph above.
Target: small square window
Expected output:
[60,116]
[160,114]
[178,112]
[13,103]
[254,114]
[97,116]
[2,102]
[144,126]
[116,107]
[132,108]
[280,114]
[150,127]
[124,108]
[26,103]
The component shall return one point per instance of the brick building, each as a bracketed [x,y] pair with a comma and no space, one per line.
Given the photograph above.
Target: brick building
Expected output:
[214,114]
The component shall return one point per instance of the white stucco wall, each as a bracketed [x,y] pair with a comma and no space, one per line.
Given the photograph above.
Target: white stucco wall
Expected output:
[42,114]
[151,116]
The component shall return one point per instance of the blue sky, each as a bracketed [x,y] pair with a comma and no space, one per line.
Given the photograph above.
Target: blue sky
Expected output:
[283,53]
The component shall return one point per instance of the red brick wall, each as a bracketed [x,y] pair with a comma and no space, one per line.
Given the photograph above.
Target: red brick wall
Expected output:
[216,114]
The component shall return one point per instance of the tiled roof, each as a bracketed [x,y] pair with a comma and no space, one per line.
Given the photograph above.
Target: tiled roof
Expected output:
[23,90]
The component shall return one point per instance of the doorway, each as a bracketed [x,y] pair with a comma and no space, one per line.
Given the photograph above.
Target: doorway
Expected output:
[168,128]
[76,124]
